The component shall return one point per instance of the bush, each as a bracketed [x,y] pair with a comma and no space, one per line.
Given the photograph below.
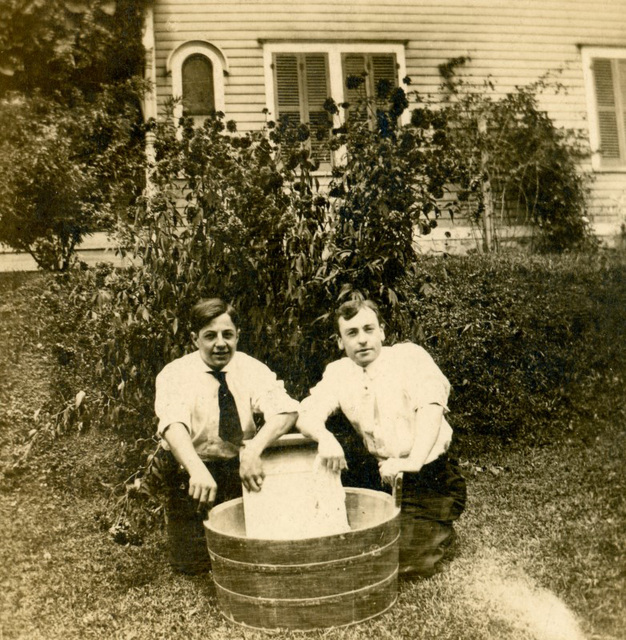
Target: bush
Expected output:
[59,46]
[513,164]
[529,344]
[526,343]
[70,141]
[69,169]
[242,217]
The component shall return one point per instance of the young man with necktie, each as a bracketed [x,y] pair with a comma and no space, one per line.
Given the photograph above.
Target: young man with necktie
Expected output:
[394,399]
[208,403]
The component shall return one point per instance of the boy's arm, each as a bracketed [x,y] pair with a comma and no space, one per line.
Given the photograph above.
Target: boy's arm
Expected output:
[173,414]
[280,413]
[328,448]
[202,486]
[250,464]
[427,425]
[314,412]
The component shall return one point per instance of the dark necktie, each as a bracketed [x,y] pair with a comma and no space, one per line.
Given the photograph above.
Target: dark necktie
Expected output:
[230,425]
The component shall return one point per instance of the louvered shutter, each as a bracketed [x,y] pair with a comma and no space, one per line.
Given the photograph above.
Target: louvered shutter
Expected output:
[301,82]
[316,82]
[377,67]
[610,87]
[354,65]
[286,80]
[383,67]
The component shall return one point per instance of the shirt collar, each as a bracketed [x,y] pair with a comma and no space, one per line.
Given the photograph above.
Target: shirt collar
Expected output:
[204,367]
[374,368]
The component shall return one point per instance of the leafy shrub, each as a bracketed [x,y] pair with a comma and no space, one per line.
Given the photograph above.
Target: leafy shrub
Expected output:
[513,164]
[58,46]
[386,184]
[70,143]
[532,347]
[529,344]
[69,169]
[242,216]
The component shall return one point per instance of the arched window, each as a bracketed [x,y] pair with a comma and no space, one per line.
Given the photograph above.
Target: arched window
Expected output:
[198,69]
[198,87]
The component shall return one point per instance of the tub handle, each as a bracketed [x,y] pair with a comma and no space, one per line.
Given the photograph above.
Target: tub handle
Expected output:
[397,490]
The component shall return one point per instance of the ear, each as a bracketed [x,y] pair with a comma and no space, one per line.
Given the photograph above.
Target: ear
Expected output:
[382,332]
[340,344]
[194,339]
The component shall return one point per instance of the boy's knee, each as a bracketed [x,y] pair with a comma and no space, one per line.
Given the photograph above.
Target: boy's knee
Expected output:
[423,545]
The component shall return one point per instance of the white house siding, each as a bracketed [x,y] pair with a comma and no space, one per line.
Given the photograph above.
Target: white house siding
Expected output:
[95,248]
[513,41]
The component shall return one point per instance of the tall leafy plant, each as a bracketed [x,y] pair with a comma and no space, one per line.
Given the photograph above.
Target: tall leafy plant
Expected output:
[68,170]
[514,164]
[386,188]
[244,216]
[55,47]
[228,216]
[70,133]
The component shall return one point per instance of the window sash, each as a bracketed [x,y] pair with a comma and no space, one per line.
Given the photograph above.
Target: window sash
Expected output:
[198,91]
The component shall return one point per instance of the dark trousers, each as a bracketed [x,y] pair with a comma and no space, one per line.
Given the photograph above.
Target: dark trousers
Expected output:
[432,500]
[188,551]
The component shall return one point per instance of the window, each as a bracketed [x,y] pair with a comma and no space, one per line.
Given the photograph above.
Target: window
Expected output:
[198,69]
[605,72]
[299,77]
[198,92]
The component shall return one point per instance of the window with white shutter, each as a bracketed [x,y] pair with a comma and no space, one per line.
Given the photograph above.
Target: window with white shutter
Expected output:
[300,76]
[605,71]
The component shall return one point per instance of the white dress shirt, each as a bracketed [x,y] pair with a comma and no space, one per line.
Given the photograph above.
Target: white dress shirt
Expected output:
[382,400]
[186,392]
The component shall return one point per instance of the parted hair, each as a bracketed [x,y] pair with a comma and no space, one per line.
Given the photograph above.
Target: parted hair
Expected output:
[349,309]
[206,310]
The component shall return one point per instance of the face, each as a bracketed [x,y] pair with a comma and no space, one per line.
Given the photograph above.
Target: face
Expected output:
[361,337]
[217,341]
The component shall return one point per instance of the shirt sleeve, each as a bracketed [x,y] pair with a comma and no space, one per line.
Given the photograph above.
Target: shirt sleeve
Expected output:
[426,382]
[270,397]
[170,403]
[323,398]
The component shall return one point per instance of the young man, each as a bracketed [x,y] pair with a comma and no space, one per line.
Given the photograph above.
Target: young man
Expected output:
[394,398]
[207,402]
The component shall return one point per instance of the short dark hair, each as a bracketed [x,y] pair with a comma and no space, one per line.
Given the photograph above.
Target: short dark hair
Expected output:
[205,311]
[350,308]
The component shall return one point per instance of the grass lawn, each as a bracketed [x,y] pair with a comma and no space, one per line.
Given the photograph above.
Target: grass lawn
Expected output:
[541,546]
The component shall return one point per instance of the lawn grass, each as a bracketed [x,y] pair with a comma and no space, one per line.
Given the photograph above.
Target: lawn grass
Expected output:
[540,556]
[540,546]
